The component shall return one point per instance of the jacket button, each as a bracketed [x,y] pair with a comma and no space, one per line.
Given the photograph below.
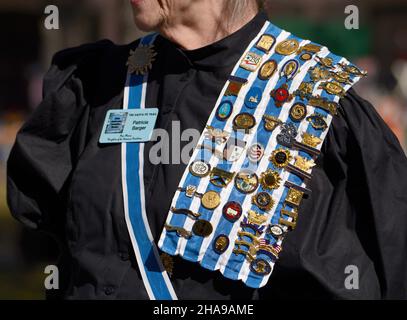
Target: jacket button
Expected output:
[109,290]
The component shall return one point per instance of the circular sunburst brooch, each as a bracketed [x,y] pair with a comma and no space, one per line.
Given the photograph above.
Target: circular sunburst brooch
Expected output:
[140,59]
[270,180]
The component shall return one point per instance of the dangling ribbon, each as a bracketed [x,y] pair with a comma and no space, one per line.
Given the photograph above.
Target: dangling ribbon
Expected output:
[155,278]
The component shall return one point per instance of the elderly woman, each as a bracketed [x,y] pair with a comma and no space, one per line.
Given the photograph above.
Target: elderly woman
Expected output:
[265,176]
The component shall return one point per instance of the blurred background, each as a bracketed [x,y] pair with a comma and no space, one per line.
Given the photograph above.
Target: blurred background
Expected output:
[378,46]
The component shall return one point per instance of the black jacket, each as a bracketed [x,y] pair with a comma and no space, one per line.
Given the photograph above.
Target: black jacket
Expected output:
[62,181]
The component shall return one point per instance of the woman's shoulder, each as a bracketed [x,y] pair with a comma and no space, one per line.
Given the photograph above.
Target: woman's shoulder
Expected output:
[93,52]
[89,64]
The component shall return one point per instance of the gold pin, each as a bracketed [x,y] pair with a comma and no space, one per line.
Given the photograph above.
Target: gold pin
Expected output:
[267,69]
[270,180]
[352,69]
[287,47]
[294,197]
[280,157]
[303,163]
[221,244]
[289,224]
[217,135]
[306,56]
[244,121]
[210,200]
[251,61]
[326,62]
[310,140]
[263,201]
[181,232]
[342,77]
[234,86]
[329,106]
[304,90]
[271,122]
[245,253]
[265,42]
[221,178]
[333,88]
[187,212]
[298,111]
[202,228]
[318,74]
[256,218]
[310,47]
[260,267]
[293,214]
[168,262]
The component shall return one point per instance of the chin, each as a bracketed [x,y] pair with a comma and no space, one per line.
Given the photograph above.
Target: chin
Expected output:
[146,25]
[146,15]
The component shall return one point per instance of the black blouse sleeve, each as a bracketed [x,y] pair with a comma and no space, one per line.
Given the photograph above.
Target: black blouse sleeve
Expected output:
[50,142]
[374,167]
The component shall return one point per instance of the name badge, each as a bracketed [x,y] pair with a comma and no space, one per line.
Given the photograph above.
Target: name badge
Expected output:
[131,125]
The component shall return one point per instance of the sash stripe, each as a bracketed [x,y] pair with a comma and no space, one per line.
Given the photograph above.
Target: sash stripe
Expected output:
[155,278]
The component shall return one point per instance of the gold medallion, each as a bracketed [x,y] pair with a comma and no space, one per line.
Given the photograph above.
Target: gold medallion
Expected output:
[263,200]
[199,168]
[141,59]
[310,140]
[298,112]
[280,158]
[270,180]
[202,228]
[265,42]
[210,200]
[221,243]
[246,181]
[290,69]
[244,121]
[267,70]
[305,56]
[260,267]
[287,47]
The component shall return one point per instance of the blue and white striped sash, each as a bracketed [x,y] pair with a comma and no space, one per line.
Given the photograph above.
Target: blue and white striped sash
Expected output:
[200,249]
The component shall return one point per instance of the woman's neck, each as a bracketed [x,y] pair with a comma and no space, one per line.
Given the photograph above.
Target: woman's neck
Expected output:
[203,24]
